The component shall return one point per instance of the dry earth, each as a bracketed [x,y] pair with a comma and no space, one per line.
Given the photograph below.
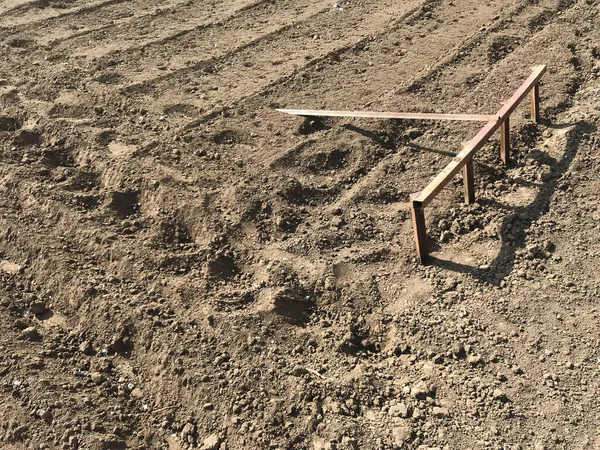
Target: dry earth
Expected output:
[183,267]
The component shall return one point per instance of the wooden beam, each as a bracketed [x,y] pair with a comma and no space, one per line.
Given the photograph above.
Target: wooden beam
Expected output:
[387,115]
[469,182]
[459,161]
[418,219]
[505,141]
[535,103]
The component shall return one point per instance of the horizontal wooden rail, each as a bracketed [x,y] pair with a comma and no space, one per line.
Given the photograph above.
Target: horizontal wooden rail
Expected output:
[464,159]
[465,156]
[439,182]
[443,178]
[387,115]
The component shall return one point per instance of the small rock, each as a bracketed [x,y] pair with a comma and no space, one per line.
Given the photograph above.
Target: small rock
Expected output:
[221,359]
[321,444]
[349,443]
[418,414]
[137,393]
[31,334]
[458,350]
[38,307]
[439,412]
[299,371]
[499,395]
[211,443]
[399,410]
[188,430]
[86,348]
[401,434]
[420,391]
[475,360]
[21,323]
[97,377]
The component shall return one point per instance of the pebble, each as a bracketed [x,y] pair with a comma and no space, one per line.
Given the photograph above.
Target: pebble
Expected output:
[499,395]
[420,390]
[474,360]
[30,334]
[321,444]
[21,323]
[38,307]
[212,442]
[188,430]
[458,350]
[399,410]
[418,414]
[401,434]
[86,348]
[439,411]
[299,371]
[97,377]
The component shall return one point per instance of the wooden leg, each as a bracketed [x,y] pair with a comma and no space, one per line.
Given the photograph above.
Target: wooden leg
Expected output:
[535,103]
[469,182]
[505,141]
[418,217]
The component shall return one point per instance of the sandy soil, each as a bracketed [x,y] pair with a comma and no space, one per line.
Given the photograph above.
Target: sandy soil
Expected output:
[183,267]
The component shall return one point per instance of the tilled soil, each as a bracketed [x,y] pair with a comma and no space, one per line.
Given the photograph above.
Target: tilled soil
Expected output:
[181,266]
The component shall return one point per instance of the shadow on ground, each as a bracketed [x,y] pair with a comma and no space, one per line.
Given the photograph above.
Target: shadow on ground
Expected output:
[521,218]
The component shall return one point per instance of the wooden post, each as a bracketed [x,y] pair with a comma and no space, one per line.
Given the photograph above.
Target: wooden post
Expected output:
[418,218]
[469,182]
[535,103]
[505,140]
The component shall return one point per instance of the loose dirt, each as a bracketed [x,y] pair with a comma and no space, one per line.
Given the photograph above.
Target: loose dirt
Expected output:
[183,267]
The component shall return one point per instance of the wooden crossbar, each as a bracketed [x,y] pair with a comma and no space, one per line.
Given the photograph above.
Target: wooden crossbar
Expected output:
[443,178]
[464,159]
[387,115]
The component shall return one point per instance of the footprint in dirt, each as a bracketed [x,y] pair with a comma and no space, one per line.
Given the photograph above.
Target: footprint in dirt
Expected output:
[182,110]
[8,124]
[125,203]
[229,137]
[20,43]
[501,47]
[313,124]
[109,78]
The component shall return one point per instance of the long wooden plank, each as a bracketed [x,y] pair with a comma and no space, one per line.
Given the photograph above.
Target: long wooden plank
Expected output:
[387,115]
[443,178]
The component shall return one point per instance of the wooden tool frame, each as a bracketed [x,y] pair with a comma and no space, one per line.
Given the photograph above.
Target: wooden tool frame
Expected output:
[464,159]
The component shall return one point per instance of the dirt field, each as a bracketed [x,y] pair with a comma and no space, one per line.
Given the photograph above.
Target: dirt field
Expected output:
[183,267]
